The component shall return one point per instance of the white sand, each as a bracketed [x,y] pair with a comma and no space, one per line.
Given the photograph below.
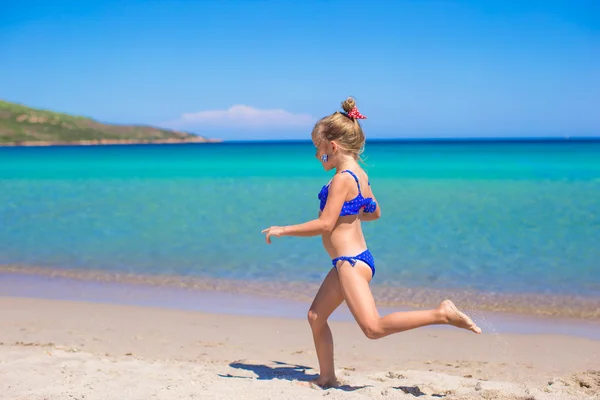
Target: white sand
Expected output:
[74,350]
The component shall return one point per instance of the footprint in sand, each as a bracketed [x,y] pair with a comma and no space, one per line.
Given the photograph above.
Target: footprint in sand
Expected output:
[394,375]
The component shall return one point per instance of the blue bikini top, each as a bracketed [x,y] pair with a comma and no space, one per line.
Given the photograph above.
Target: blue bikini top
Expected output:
[351,207]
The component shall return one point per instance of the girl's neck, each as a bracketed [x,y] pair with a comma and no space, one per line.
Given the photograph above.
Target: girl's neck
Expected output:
[346,163]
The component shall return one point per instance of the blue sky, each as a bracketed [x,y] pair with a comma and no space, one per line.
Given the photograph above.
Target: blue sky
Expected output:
[268,69]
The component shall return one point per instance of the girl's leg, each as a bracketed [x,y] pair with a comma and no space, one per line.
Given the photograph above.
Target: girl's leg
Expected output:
[354,282]
[328,298]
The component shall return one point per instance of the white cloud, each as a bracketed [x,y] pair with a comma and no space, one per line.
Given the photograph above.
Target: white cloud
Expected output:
[243,116]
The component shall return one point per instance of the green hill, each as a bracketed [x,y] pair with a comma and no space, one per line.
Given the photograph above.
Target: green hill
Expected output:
[21,125]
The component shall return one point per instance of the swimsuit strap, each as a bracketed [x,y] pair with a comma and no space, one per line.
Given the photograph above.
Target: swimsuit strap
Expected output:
[354,176]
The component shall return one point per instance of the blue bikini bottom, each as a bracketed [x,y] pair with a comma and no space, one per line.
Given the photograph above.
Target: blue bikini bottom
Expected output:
[365,257]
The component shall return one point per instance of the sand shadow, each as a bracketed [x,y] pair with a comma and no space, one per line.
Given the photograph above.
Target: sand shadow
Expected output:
[281,370]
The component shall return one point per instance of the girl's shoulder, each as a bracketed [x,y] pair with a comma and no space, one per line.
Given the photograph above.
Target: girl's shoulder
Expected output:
[361,176]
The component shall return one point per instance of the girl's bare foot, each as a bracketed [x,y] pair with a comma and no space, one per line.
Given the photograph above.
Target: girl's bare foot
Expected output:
[453,316]
[323,383]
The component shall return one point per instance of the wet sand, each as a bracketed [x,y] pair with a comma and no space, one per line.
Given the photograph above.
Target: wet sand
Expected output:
[575,308]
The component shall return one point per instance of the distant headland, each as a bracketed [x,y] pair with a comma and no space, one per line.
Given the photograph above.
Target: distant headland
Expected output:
[25,126]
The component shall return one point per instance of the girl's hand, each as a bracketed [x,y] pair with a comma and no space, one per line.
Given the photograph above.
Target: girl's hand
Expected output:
[273,231]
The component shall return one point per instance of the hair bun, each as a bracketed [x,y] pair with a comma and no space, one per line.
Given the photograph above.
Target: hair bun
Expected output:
[348,104]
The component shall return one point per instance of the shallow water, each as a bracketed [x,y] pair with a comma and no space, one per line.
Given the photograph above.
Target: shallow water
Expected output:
[508,218]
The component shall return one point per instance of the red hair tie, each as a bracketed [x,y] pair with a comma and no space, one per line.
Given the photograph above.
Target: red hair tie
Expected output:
[354,114]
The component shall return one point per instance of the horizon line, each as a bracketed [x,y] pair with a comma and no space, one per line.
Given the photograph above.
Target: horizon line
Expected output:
[435,139]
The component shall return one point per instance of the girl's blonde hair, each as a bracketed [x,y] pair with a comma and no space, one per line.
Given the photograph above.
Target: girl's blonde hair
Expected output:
[342,128]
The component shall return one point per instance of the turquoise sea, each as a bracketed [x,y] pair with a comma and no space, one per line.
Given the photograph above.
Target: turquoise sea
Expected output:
[495,217]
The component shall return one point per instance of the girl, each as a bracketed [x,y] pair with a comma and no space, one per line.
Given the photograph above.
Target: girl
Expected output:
[345,202]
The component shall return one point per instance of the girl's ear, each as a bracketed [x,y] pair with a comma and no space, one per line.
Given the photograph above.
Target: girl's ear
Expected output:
[334,147]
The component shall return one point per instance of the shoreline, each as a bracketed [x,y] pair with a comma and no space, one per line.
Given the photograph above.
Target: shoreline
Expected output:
[214,298]
[526,304]
[103,142]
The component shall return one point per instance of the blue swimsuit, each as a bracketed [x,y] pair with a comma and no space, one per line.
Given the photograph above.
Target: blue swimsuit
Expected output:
[352,207]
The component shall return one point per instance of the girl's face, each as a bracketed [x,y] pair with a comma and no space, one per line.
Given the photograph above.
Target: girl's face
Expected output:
[325,153]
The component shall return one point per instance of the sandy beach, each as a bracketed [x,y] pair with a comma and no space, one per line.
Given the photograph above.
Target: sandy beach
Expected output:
[55,349]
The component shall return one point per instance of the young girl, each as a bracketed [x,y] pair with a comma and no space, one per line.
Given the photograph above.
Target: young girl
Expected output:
[344,202]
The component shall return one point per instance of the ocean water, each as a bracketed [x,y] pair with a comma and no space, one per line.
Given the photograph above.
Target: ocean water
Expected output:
[495,217]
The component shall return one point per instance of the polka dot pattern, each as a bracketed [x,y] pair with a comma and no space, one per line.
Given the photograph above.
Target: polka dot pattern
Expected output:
[365,257]
[354,114]
[351,207]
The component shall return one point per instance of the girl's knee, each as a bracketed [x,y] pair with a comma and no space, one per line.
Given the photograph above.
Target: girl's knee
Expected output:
[314,319]
[372,329]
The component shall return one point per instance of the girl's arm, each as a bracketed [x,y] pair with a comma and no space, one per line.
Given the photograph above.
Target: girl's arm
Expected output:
[338,190]
[371,216]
